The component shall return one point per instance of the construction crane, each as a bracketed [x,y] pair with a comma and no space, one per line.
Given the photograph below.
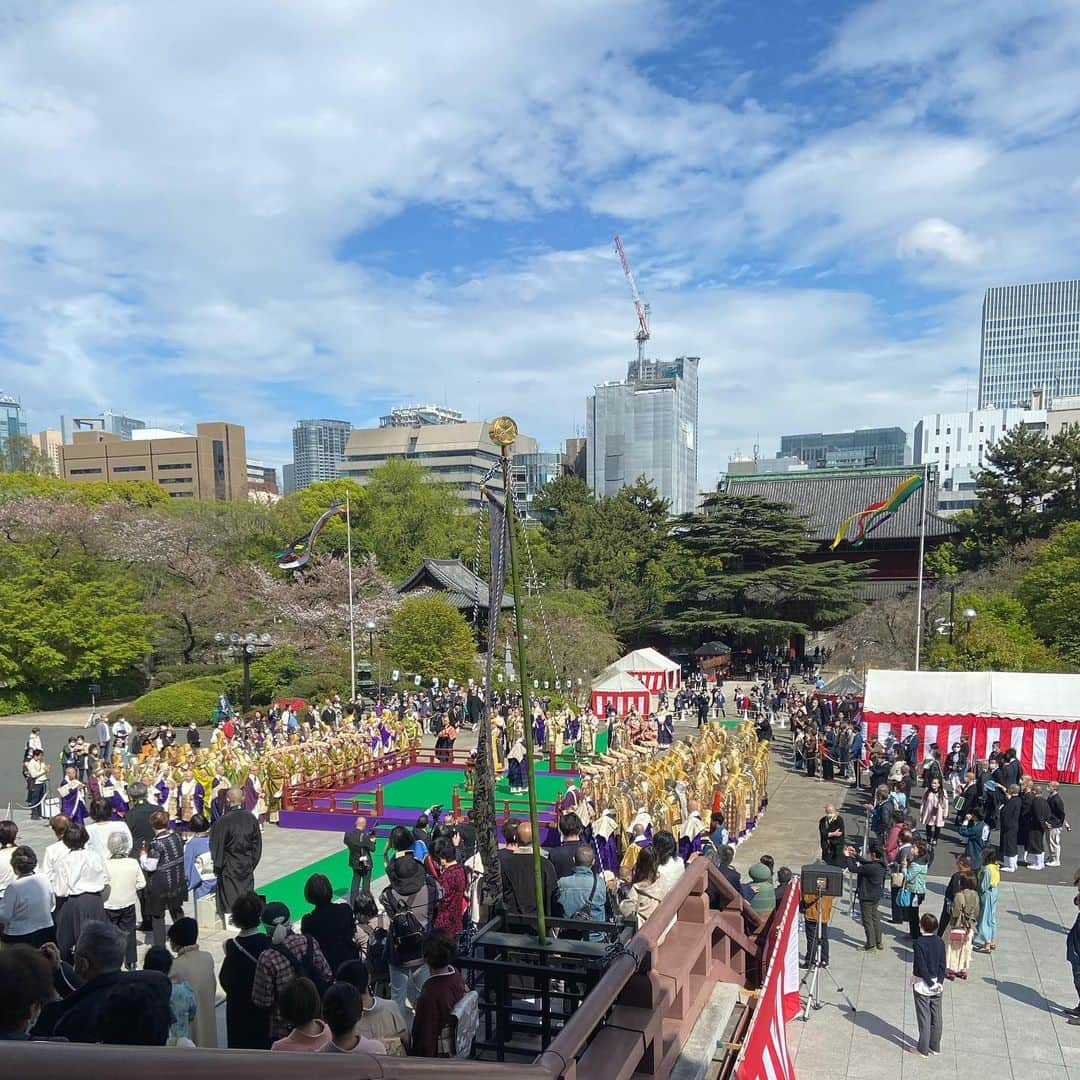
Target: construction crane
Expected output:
[642,308]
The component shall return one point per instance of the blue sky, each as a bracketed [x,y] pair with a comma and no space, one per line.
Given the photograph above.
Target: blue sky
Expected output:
[224,210]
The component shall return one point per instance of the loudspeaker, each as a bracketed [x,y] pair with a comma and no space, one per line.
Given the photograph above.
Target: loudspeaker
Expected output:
[820,879]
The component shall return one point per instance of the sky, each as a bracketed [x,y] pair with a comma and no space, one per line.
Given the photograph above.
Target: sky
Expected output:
[229,209]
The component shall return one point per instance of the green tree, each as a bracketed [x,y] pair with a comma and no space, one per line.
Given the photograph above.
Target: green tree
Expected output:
[579,635]
[430,637]
[1050,592]
[22,456]
[1064,502]
[749,576]
[296,513]
[406,517]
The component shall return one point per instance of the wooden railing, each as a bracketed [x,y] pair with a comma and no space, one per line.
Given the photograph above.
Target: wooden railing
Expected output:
[635,1020]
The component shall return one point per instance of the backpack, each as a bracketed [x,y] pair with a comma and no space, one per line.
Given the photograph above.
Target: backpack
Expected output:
[305,968]
[456,1039]
[378,954]
[585,910]
[406,930]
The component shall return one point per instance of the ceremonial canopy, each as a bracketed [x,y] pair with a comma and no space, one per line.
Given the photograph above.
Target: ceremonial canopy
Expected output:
[621,689]
[1036,714]
[652,668]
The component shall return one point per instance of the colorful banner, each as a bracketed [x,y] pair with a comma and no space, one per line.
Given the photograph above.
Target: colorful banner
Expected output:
[868,517]
[764,1054]
[298,553]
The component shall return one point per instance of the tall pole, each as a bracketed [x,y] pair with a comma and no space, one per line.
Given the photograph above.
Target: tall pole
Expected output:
[515,581]
[352,609]
[922,550]
[952,610]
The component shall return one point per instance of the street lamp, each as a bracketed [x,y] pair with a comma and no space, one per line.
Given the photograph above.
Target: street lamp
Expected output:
[247,646]
[370,626]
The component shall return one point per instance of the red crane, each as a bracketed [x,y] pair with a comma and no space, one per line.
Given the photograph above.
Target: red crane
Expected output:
[642,308]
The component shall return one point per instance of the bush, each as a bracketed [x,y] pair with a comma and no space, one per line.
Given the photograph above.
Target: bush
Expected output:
[271,675]
[178,704]
[318,687]
[15,701]
[174,673]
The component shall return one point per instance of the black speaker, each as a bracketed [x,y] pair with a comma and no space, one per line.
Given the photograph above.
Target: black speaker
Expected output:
[820,879]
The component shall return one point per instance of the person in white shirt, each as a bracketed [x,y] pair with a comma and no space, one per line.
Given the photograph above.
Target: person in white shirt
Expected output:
[121,732]
[50,864]
[37,782]
[26,916]
[103,827]
[8,832]
[83,878]
[125,879]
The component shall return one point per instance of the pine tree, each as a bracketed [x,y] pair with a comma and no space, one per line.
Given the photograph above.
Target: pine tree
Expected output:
[744,571]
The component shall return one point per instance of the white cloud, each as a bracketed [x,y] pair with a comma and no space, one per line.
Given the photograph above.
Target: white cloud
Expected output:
[933,238]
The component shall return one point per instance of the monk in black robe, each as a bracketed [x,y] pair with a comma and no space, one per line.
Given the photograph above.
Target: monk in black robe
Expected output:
[1009,819]
[235,848]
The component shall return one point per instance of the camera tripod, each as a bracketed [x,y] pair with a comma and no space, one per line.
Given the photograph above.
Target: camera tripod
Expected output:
[813,972]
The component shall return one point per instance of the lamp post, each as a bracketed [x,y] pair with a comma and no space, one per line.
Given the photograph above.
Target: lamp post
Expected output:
[370,626]
[246,646]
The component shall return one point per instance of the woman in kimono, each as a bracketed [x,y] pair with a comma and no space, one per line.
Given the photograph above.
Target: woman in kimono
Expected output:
[72,794]
[989,880]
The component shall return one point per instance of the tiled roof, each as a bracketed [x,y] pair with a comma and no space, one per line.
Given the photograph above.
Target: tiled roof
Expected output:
[827,496]
[455,581]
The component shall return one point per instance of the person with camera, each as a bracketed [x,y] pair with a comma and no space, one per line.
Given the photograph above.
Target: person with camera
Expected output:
[869,890]
[360,840]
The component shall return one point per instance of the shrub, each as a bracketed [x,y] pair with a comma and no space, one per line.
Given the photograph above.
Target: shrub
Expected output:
[178,704]
[14,701]
[318,687]
[174,673]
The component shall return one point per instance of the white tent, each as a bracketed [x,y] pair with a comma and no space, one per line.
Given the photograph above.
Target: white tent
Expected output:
[654,669]
[622,690]
[1035,713]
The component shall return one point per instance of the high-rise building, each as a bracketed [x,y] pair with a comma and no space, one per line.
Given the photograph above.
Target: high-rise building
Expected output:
[113,423]
[1030,342]
[48,442]
[457,454]
[209,465]
[879,448]
[318,447]
[415,415]
[12,429]
[288,478]
[646,426]
[958,442]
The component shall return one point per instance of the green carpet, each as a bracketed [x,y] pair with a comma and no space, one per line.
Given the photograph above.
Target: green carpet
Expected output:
[425,789]
[290,888]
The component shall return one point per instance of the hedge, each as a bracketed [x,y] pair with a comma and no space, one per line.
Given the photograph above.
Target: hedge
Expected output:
[177,704]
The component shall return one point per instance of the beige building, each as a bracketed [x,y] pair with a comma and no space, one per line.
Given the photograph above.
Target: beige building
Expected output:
[208,465]
[1063,412]
[49,443]
[455,454]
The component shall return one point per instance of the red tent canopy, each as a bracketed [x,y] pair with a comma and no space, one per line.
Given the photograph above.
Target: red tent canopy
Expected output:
[623,691]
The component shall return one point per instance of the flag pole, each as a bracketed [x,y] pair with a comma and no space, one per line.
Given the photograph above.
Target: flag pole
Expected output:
[352,609]
[922,550]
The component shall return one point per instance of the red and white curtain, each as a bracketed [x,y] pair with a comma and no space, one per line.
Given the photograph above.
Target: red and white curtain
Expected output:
[1047,750]
[624,701]
[654,680]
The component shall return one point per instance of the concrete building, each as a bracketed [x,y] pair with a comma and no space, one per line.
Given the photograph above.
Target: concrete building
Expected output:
[1061,413]
[208,465]
[318,447]
[751,466]
[113,423]
[455,454]
[288,478]
[1030,342]
[262,478]
[417,415]
[12,426]
[646,426]
[958,442]
[575,457]
[48,442]
[878,448]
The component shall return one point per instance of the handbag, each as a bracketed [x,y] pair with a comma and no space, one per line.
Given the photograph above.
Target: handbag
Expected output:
[958,804]
[958,936]
[903,898]
[898,878]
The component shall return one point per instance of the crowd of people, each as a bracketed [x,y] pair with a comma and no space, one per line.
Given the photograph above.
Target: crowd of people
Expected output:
[911,795]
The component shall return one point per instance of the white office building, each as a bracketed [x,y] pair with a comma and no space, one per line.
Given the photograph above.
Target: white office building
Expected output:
[646,426]
[318,448]
[1030,342]
[958,442]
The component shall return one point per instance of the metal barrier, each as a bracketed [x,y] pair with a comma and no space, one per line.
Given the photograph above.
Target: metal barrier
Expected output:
[635,1020]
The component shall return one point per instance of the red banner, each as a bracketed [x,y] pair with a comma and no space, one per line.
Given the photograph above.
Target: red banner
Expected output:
[764,1054]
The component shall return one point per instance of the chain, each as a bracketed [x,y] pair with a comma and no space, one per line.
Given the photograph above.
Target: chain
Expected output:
[540,600]
[476,561]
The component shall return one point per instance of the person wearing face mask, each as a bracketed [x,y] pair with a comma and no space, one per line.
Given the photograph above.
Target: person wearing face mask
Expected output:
[26,985]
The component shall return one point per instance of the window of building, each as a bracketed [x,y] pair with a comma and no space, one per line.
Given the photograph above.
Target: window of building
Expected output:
[84,472]
[166,480]
[219,470]
[181,494]
[177,465]
[129,468]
